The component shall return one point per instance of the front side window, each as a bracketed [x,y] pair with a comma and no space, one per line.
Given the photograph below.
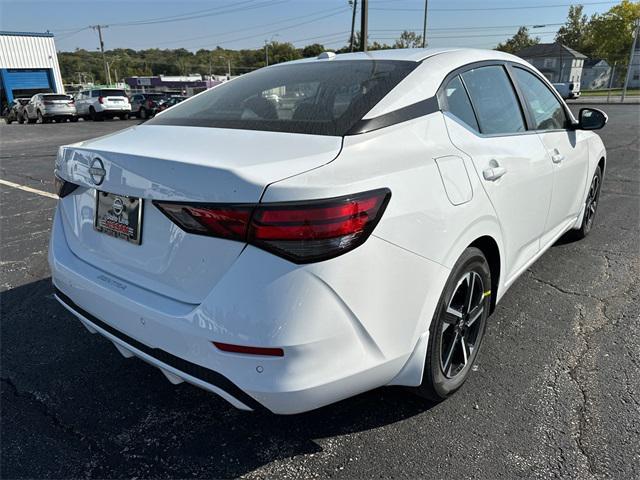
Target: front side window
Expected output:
[458,103]
[494,100]
[546,109]
[319,98]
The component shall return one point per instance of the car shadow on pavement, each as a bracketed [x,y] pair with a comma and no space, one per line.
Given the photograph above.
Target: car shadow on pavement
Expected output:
[107,416]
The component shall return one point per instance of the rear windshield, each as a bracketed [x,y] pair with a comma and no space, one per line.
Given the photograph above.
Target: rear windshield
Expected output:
[111,93]
[320,98]
[56,97]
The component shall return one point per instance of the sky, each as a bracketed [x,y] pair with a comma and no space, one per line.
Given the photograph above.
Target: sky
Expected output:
[239,24]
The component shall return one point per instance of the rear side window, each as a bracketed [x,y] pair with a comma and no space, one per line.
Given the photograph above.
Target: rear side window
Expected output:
[110,93]
[546,109]
[458,103]
[494,100]
[56,97]
[320,98]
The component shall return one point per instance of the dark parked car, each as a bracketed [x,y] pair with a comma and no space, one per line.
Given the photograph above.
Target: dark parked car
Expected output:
[13,112]
[171,101]
[146,105]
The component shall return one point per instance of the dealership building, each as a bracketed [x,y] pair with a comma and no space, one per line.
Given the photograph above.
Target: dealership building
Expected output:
[28,65]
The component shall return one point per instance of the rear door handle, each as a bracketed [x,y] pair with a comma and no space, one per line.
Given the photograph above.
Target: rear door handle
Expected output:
[494,173]
[557,157]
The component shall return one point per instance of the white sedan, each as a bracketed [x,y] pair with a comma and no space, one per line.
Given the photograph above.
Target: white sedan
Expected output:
[356,233]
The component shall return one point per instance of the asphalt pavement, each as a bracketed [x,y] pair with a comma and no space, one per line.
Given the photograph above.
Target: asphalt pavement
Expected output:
[556,392]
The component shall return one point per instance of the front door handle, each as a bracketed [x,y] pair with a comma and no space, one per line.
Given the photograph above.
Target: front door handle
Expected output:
[494,173]
[557,158]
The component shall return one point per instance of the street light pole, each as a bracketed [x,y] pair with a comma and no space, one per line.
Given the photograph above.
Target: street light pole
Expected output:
[424,25]
[364,24]
[631,55]
[352,39]
[104,60]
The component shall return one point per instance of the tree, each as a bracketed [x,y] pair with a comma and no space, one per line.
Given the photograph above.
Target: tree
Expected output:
[575,33]
[312,50]
[520,40]
[612,32]
[408,40]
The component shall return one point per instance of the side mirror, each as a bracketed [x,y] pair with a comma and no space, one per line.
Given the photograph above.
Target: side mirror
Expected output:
[591,119]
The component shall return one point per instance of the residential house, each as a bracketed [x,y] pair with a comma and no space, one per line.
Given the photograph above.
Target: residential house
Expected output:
[557,62]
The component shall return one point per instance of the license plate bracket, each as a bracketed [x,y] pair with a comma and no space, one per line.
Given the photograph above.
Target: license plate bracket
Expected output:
[119,216]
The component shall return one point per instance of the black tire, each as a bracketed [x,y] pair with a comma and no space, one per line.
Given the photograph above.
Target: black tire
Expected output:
[590,206]
[143,114]
[95,116]
[8,120]
[40,118]
[124,116]
[73,119]
[29,120]
[447,366]
[20,119]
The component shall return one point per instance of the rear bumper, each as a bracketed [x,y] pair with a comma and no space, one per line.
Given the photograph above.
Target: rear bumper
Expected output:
[339,339]
[59,113]
[113,109]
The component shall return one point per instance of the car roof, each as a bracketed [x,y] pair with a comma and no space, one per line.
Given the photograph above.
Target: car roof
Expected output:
[409,55]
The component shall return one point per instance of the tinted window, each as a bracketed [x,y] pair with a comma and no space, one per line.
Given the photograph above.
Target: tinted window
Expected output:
[547,111]
[494,100]
[110,93]
[56,97]
[321,98]
[458,103]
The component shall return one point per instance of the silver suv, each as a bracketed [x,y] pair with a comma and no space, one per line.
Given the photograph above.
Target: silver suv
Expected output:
[44,107]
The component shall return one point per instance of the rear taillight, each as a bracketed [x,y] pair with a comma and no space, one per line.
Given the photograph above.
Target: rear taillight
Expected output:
[101,99]
[302,232]
[62,187]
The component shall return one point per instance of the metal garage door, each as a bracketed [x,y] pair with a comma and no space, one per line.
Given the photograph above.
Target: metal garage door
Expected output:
[19,81]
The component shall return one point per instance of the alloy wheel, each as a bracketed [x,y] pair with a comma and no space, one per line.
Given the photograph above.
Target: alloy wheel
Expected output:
[592,202]
[461,325]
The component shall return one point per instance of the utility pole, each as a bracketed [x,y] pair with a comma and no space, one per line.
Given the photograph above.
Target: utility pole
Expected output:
[352,40]
[424,25]
[364,24]
[631,55]
[104,60]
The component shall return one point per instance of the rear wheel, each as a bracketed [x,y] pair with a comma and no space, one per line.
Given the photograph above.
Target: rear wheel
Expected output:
[95,116]
[590,206]
[73,119]
[124,116]
[20,119]
[40,118]
[143,113]
[458,326]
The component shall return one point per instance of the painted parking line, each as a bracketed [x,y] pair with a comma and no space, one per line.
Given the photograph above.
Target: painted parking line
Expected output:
[28,189]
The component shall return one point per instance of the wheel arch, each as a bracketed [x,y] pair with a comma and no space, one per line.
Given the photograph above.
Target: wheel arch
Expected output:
[491,251]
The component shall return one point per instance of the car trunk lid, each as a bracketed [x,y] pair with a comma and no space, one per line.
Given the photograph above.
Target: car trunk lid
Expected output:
[178,164]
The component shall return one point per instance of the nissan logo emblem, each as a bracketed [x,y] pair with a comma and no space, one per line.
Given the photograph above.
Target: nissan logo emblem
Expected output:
[97,171]
[118,206]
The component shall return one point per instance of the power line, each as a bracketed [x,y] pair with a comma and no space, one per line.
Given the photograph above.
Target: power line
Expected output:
[234,9]
[491,8]
[231,32]
[337,12]
[461,28]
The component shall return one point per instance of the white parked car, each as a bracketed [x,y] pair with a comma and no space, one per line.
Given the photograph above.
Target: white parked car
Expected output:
[289,258]
[45,107]
[98,104]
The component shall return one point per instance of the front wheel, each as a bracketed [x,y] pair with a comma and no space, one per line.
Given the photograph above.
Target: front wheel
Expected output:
[458,326]
[590,206]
